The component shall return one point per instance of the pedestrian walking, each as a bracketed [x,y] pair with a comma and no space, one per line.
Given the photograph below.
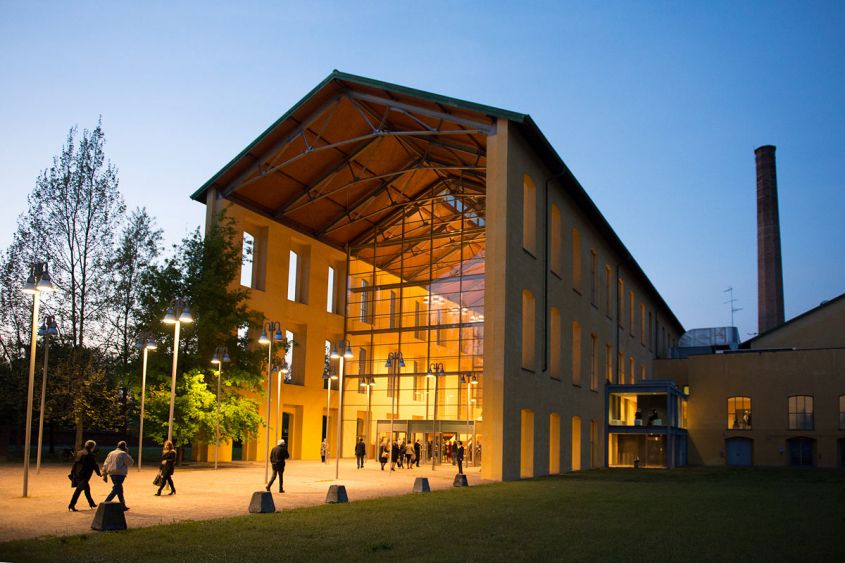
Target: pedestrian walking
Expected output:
[401,454]
[168,465]
[417,451]
[84,465]
[409,455]
[383,454]
[324,449]
[459,456]
[278,455]
[394,455]
[360,452]
[117,466]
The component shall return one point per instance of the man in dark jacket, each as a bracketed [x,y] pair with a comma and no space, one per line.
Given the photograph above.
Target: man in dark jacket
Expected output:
[417,452]
[278,455]
[84,465]
[360,452]
[459,456]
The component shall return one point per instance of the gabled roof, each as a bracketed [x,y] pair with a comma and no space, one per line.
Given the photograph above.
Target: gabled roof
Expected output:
[824,306]
[354,150]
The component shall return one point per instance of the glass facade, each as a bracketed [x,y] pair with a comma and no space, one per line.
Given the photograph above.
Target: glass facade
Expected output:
[415,314]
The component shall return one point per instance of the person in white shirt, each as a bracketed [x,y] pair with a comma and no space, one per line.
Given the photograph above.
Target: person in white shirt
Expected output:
[117,465]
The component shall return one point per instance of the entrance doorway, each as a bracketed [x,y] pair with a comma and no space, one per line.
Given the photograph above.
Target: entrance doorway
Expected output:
[739,452]
[801,452]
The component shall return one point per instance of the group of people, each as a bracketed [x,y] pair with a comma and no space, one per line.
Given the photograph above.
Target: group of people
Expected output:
[404,454]
[116,466]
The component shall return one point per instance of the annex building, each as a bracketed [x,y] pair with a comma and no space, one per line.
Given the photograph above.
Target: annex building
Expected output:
[469,284]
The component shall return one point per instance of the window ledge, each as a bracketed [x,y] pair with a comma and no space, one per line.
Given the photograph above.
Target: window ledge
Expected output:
[529,253]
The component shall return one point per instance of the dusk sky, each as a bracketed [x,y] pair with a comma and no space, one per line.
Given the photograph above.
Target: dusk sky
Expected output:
[656,107]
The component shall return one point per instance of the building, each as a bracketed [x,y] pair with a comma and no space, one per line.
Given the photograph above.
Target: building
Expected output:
[477,294]
[482,294]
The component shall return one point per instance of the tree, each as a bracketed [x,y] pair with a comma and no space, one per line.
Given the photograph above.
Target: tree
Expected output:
[73,212]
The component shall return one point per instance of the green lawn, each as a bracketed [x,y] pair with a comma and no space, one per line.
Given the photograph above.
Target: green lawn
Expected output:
[642,516]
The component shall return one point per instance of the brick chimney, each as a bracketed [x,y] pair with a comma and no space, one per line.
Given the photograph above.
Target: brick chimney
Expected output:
[769,268]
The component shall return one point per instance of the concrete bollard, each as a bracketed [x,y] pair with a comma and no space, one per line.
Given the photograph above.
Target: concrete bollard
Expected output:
[262,502]
[460,480]
[421,485]
[109,517]
[337,495]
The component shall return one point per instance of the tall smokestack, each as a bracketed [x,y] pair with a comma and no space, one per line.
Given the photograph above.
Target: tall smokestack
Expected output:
[769,268]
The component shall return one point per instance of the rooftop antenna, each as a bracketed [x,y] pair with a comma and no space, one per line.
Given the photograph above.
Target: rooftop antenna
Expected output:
[731,300]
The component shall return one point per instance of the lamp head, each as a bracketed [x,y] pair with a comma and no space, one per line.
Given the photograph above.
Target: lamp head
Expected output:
[45,284]
[334,354]
[226,357]
[151,344]
[401,360]
[29,287]
[216,358]
[348,352]
[169,318]
[263,340]
[279,336]
[186,317]
[389,362]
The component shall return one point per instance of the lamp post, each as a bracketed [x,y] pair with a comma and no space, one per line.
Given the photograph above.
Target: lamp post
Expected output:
[184,316]
[340,356]
[48,328]
[282,373]
[369,383]
[221,356]
[274,329]
[395,360]
[328,377]
[436,371]
[144,343]
[469,380]
[38,281]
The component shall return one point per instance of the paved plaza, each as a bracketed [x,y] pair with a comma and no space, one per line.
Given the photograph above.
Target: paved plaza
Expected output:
[202,492]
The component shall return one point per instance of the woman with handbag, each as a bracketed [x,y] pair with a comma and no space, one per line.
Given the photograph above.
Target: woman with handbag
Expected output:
[84,466]
[168,462]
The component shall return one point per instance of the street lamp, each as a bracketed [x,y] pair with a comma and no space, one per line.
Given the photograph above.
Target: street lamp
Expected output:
[340,356]
[274,329]
[38,281]
[436,371]
[47,329]
[221,356]
[184,316]
[328,377]
[395,360]
[469,380]
[369,383]
[145,343]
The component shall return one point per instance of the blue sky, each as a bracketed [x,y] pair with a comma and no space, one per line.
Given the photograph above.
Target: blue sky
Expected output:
[655,106]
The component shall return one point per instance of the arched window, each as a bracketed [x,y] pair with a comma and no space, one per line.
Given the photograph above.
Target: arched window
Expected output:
[529,215]
[576,259]
[556,237]
[739,413]
[800,409]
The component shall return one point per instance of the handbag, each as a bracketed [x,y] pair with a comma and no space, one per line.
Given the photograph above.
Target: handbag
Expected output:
[157,481]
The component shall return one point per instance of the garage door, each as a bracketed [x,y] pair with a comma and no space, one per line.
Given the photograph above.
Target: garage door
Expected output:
[739,451]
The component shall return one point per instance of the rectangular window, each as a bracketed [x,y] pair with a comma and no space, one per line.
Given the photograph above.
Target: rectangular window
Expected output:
[330,289]
[739,413]
[554,343]
[650,332]
[631,312]
[842,412]
[608,363]
[642,324]
[594,362]
[576,260]
[247,259]
[290,340]
[293,277]
[417,321]
[631,371]
[594,277]
[529,215]
[576,353]
[801,412]
[528,316]
[642,373]
[608,296]
[419,383]
[366,302]
[439,333]
[363,370]
[393,312]
[621,359]
[620,301]
[556,236]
